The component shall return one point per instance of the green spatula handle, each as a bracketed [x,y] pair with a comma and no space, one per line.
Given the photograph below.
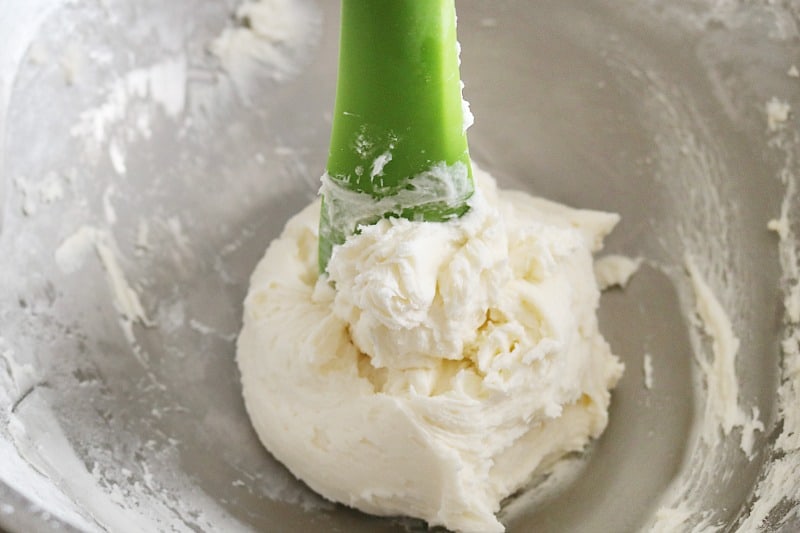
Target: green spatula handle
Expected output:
[398,114]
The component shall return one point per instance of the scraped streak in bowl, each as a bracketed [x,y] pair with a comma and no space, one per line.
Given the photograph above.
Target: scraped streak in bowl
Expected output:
[74,475]
[712,260]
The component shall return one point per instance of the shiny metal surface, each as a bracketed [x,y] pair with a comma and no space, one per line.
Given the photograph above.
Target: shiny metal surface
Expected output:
[649,109]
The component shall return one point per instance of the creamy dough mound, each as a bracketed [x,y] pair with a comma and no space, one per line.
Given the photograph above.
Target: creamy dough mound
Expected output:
[452,361]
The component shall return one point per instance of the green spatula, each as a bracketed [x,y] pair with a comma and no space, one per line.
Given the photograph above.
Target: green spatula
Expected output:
[398,145]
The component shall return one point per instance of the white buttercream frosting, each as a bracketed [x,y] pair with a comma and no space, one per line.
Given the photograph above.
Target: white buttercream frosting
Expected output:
[450,362]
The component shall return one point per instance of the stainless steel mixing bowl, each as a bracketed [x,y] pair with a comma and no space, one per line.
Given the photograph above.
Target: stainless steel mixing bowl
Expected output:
[137,167]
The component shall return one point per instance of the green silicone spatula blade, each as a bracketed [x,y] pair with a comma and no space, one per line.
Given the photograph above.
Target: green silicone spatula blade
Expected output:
[398,143]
